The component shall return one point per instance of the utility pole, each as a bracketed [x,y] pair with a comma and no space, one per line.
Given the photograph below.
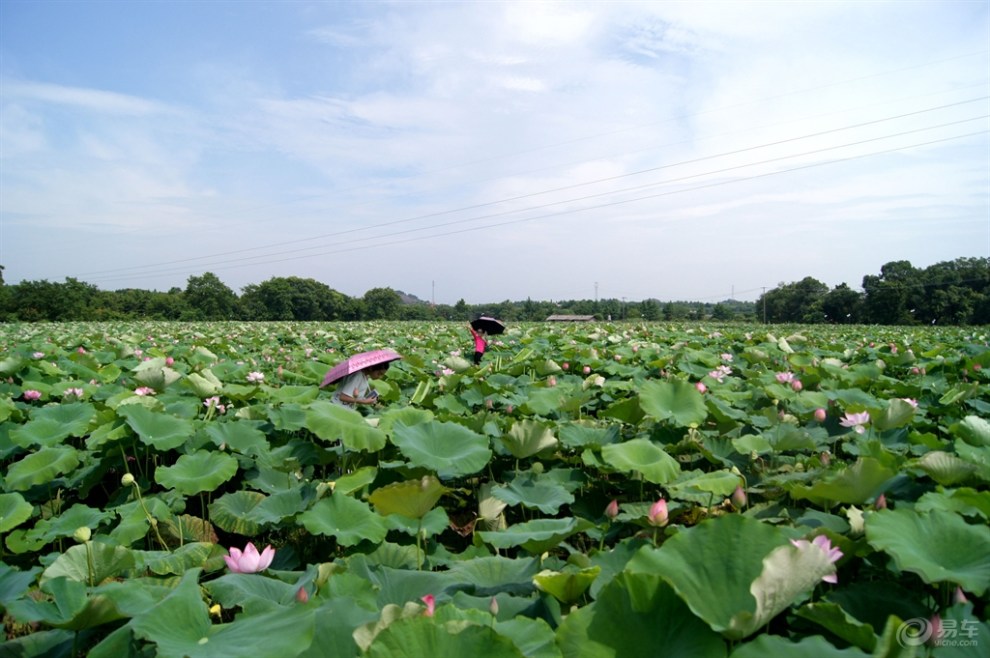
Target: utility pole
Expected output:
[596,292]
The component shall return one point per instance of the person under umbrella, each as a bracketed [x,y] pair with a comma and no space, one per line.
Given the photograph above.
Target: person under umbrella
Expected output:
[481,327]
[355,375]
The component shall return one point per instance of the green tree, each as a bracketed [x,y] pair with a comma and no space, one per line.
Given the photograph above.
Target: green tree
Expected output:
[842,305]
[885,298]
[381,304]
[795,302]
[208,298]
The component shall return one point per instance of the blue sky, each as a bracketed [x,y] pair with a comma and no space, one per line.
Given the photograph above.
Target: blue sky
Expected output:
[492,150]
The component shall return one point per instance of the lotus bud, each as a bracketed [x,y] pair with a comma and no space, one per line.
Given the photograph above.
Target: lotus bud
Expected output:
[820,415]
[739,498]
[509,409]
[302,595]
[431,603]
[881,502]
[797,385]
[565,365]
[493,607]
[551,381]
[127,480]
[959,597]
[586,370]
[701,387]
[612,509]
[935,625]
[82,534]
[826,458]
[658,514]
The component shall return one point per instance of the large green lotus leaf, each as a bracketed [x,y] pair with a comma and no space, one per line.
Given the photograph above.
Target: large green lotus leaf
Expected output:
[937,547]
[251,593]
[200,471]
[528,437]
[112,431]
[977,456]
[566,586]
[536,536]
[422,636]
[637,616]
[40,467]
[965,500]
[809,647]
[70,607]
[14,510]
[642,456]
[49,426]
[356,480]
[232,512]
[788,573]
[180,628]
[412,498]
[191,554]
[675,401]
[430,524]
[973,430]
[408,416]
[296,394]
[333,422]
[449,449]
[66,523]
[720,483]
[158,430]
[244,437]
[487,576]
[336,620]
[347,519]
[855,484]
[156,374]
[837,621]
[713,565]
[287,417]
[281,505]
[204,383]
[581,434]
[536,492]
[107,561]
[897,414]
[15,583]
[945,468]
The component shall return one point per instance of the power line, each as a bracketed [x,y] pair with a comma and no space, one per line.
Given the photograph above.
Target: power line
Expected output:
[561,189]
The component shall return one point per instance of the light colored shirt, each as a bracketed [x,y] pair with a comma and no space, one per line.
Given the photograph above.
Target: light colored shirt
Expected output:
[355,385]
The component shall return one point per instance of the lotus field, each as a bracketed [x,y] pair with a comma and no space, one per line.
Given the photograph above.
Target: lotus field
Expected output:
[593,490]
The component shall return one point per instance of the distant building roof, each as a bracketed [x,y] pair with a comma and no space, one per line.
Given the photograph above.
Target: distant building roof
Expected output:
[571,318]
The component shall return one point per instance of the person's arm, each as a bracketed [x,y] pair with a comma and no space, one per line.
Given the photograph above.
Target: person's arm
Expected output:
[354,399]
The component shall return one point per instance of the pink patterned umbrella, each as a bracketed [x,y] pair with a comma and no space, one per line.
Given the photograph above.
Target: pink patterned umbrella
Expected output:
[358,362]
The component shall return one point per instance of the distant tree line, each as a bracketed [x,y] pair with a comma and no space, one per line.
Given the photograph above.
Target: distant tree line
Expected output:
[956,292]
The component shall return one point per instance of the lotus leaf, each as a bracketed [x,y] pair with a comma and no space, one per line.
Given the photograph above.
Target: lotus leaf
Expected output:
[159,430]
[856,484]
[973,430]
[809,647]
[103,561]
[14,510]
[566,586]
[634,615]
[412,498]
[232,512]
[449,449]
[347,519]
[333,422]
[245,437]
[642,456]
[40,467]
[180,628]
[14,583]
[535,536]
[675,401]
[528,437]
[534,492]
[938,547]
[200,471]
[421,636]
[840,623]
[946,468]
[50,425]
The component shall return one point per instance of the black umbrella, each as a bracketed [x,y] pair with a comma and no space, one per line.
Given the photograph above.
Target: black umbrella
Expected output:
[488,324]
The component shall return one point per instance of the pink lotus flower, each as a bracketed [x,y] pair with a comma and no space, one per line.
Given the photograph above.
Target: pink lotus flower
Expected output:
[785,377]
[249,561]
[612,509]
[658,514]
[32,394]
[144,390]
[73,391]
[727,357]
[720,373]
[823,543]
[255,377]
[701,387]
[820,415]
[856,421]
[38,355]
[431,603]
[911,401]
